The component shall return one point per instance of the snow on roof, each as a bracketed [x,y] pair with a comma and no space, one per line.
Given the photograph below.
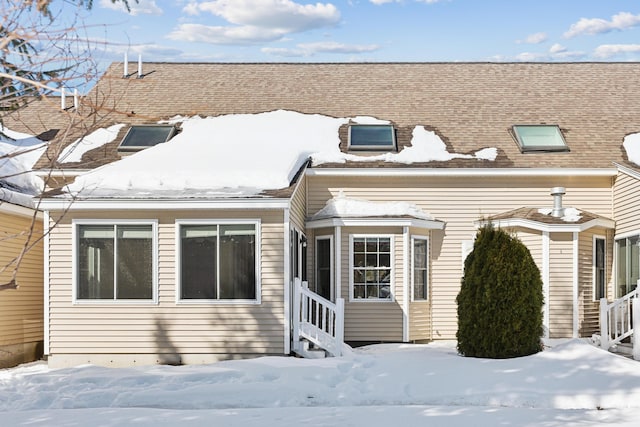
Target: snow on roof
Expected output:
[631,145]
[244,154]
[570,214]
[344,207]
[426,146]
[18,153]
[98,138]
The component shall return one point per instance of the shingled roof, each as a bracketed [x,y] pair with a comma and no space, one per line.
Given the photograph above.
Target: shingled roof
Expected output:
[469,105]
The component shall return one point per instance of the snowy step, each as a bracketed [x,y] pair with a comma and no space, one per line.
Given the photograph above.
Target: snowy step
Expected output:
[304,349]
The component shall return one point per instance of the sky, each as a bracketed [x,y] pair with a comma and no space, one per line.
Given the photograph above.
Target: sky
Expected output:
[366,30]
[571,383]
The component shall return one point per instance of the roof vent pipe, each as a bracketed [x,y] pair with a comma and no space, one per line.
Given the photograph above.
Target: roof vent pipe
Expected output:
[558,210]
[140,66]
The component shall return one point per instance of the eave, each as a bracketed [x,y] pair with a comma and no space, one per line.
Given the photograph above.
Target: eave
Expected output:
[551,228]
[375,222]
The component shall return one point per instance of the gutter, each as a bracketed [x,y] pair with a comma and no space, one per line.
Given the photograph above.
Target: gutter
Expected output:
[463,172]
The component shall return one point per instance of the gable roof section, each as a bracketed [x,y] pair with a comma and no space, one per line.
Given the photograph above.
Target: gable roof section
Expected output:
[539,219]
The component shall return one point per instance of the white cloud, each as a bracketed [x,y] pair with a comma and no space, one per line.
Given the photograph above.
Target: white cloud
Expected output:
[255,21]
[609,50]
[141,7]
[310,49]
[400,1]
[557,48]
[620,21]
[225,35]
[275,14]
[535,38]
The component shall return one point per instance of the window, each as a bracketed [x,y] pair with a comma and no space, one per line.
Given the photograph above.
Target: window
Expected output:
[324,270]
[372,137]
[115,261]
[531,138]
[599,269]
[420,268]
[371,267]
[217,261]
[627,264]
[145,136]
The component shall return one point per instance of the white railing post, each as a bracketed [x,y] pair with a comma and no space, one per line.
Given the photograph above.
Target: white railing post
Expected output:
[297,294]
[604,324]
[339,331]
[636,327]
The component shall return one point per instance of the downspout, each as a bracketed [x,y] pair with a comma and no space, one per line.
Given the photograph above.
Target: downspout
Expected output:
[46,276]
[287,280]
[576,305]
[545,282]
[405,283]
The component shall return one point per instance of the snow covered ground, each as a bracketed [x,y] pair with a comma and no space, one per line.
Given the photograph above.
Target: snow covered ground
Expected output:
[571,383]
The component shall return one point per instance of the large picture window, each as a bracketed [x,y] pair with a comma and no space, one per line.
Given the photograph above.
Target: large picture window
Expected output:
[115,261]
[371,267]
[627,265]
[420,268]
[218,261]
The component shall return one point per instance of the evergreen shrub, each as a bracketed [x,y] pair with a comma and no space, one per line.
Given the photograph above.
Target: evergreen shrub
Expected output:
[500,300]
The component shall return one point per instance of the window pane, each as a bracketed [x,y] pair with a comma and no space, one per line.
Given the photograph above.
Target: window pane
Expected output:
[198,261]
[323,263]
[358,276]
[372,136]
[540,137]
[358,291]
[95,262]
[385,245]
[634,262]
[420,253]
[237,262]
[135,262]
[419,284]
[599,267]
[358,245]
[621,276]
[385,260]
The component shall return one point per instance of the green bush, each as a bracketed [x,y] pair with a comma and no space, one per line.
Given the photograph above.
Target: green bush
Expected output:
[500,300]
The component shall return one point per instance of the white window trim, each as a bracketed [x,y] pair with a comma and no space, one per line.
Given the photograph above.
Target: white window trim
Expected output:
[413,239]
[178,262]
[593,267]
[74,263]
[328,237]
[616,257]
[392,262]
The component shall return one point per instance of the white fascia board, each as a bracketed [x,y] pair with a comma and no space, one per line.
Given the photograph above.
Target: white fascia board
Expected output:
[375,222]
[159,204]
[462,172]
[10,208]
[628,171]
[549,228]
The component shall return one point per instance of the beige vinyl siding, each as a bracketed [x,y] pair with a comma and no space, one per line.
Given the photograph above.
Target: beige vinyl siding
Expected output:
[459,202]
[371,320]
[21,310]
[151,332]
[626,204]
[560,285]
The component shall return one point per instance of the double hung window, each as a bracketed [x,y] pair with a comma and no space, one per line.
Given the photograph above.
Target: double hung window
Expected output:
[115,261]
[420,268]
[371,269]
[217,261]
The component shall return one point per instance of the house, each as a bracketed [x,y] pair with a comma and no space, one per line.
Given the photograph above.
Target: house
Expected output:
[232,210]
[21,250]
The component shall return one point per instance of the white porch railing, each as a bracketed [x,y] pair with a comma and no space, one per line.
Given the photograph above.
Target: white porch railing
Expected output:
[317,320]
[619,320]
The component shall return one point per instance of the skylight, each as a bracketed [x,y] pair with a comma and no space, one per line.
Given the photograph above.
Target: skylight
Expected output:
[145,136]
[539,138]
[372,137]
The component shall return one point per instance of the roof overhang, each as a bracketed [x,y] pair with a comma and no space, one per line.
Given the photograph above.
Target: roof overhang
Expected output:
[375,222]
[628,171]
[162,204]
[12,209]
[463,172]
[551,228]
